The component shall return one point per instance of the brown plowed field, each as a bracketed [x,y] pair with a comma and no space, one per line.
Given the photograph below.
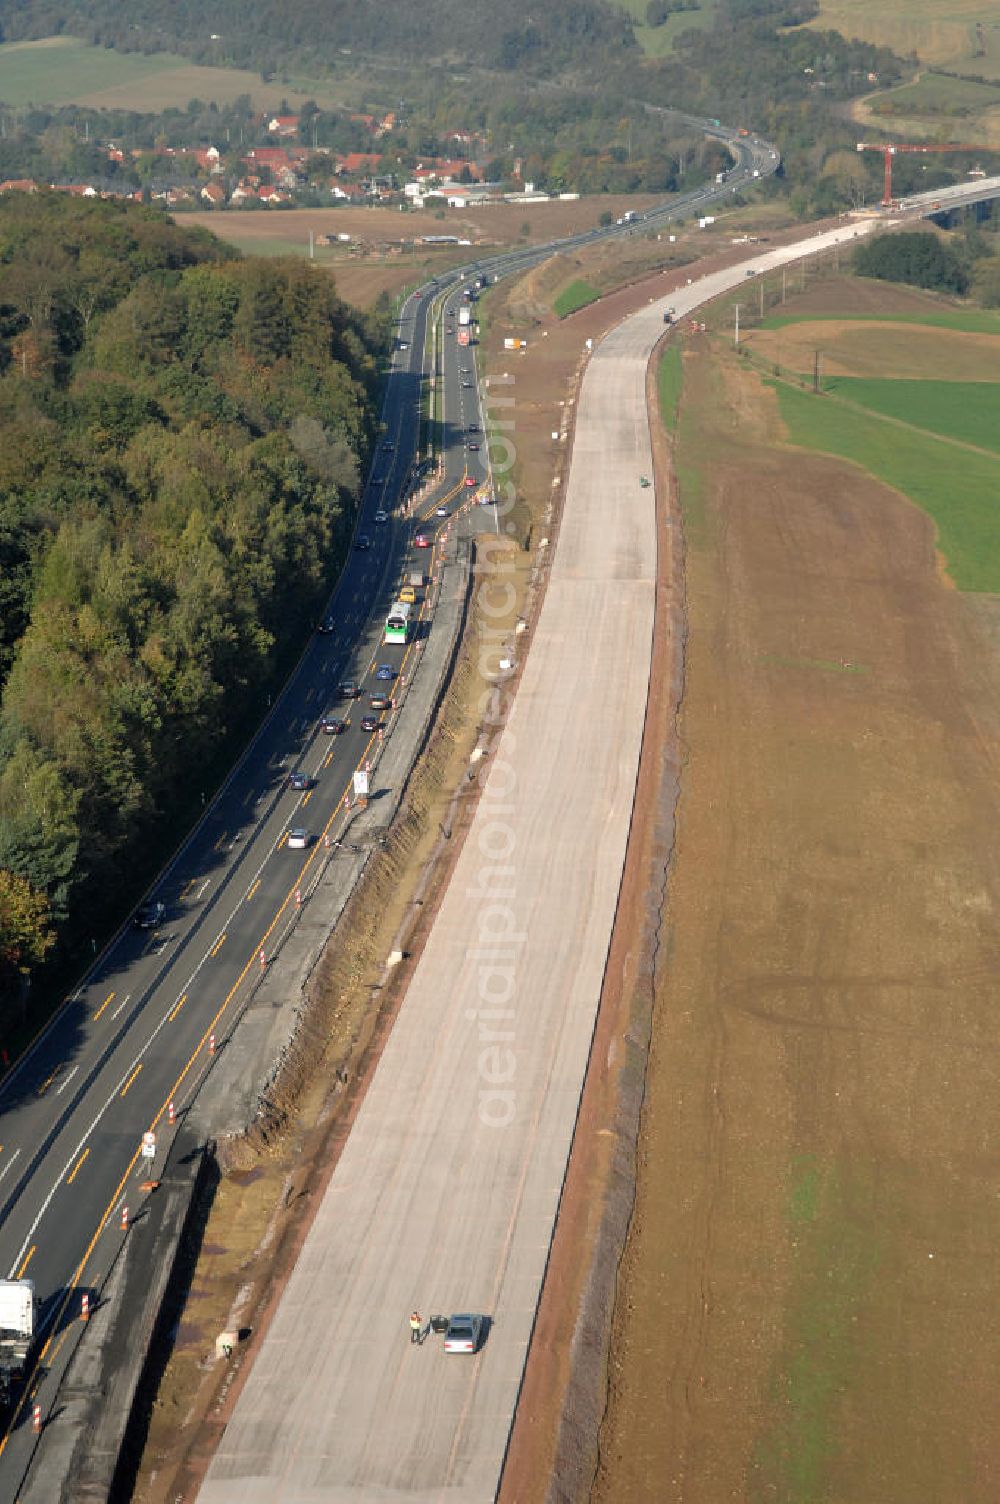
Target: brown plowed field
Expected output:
[807,1305]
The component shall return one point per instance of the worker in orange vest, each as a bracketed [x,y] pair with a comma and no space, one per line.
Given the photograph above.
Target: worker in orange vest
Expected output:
[416,1327]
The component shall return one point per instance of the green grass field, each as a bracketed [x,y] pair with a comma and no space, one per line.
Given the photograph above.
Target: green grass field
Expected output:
[957,488]
[62,70]
[935,32]
[657,41]
[963,410]
[965,321]
[669,380]
[574,297]
[940,95]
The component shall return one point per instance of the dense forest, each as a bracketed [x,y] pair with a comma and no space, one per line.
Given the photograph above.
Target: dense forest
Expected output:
[183,435]
[311,35]
[562,85]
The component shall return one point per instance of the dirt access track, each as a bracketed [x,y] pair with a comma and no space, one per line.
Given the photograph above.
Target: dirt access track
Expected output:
[807,1305]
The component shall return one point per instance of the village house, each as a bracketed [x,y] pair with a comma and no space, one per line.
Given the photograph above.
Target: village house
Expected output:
[283,125]
[214,195]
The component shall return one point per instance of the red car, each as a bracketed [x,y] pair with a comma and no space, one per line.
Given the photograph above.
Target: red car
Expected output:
[421,541]
[470,481]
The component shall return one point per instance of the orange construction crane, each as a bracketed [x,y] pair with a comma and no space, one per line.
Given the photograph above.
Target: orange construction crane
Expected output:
[890,151]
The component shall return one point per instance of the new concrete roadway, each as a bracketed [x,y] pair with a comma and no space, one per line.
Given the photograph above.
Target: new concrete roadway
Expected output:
[137,1034]
[447,1191]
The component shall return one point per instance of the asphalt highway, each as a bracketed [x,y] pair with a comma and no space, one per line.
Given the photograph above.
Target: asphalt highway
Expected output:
[139,1036]
[140,1033]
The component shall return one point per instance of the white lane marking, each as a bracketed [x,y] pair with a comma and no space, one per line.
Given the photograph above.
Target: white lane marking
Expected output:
[66,1081]
[9,1163]
[205,885]
[121,1005]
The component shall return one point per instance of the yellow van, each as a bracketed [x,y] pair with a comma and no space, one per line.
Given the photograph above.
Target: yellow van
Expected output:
[409,595]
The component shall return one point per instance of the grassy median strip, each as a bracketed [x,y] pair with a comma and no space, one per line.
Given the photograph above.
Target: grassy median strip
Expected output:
[669,381]
[957,488]
[575,296]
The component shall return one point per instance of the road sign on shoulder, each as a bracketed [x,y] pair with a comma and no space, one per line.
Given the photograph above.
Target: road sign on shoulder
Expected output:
[361,783]
[149,1146]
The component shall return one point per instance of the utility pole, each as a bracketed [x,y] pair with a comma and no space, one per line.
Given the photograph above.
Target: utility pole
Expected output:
[816,355]
[762,297]
[736,335]
[782,284]
[312,253]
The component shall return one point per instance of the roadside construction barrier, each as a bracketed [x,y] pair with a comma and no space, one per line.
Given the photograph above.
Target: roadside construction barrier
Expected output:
[124,1218]
[211,1044]
[36,1420]
[84,1307]
[263,961]
[298,898]
[171,1114]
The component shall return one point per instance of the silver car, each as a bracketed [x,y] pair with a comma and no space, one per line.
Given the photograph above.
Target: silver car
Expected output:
[463,1334]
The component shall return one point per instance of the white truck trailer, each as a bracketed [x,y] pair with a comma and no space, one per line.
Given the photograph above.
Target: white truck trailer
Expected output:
[17,1332]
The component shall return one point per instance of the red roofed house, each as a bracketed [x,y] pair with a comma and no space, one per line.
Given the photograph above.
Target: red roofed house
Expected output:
[283,125]
[358,161]
[352,191]
[453,167]
[272,157]
[271,196]
[214,194]
[19,185]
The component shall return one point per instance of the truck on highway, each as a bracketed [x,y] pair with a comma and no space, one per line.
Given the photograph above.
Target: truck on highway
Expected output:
[17,1332]
[464,315]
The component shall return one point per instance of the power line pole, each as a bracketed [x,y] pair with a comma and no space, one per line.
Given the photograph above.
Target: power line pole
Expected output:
[762,297]
[816,355]
[736,335]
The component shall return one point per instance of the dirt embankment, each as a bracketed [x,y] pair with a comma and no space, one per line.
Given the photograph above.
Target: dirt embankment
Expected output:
[807,1304]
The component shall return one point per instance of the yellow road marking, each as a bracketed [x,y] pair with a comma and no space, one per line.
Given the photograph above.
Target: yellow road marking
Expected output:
[131,1078]
[253,887]
[221,841]
[187,888]
[218,945]
[177,1007]
[27,1260]
[103,1006]
[70,1178]
[307,797]
[46,1084]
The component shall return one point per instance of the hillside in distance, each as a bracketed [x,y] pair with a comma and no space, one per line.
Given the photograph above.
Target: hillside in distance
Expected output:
[315,34]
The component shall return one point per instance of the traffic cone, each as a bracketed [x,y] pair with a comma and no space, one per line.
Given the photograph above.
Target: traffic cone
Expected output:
[36,1420]
[124,1218]
[84,1307]
[171,1114]
[298,898]
[263,961]
[211,1044]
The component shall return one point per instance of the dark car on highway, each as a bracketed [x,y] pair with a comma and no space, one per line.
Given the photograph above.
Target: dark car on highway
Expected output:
[299,781]
[327,625]
[348,690]
[385,671]
[362,541]
[370,723]
[149,915]
[332,725]
[380,702]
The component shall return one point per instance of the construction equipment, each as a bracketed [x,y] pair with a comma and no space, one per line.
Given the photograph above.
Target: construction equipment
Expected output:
[889,150]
